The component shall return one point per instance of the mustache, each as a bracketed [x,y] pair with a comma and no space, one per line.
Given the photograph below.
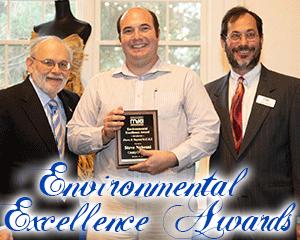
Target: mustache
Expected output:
[59,76]
[243,48]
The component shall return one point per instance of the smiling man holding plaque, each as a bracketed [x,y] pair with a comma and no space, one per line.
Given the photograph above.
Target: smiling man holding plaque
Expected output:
[188,126]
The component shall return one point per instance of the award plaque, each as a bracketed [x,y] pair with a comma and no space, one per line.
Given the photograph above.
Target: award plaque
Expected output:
[140,130]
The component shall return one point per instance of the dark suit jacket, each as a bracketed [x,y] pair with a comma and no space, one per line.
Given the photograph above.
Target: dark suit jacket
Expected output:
[270,147]
[27,143]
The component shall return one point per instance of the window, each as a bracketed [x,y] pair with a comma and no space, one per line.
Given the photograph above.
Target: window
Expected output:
[17,18]
[179,25]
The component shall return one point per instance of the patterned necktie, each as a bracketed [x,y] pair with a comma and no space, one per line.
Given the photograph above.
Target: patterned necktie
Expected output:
[57,128]
[236,114]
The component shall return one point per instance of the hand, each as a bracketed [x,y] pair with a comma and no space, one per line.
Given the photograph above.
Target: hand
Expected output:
[298,231]
[157,162]
[113,122]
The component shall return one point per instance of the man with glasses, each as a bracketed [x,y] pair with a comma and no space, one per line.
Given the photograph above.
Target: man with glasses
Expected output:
[260,116]
[33,118]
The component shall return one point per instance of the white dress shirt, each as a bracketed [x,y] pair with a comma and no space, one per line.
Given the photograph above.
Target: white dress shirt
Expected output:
[188,124]
[250,82]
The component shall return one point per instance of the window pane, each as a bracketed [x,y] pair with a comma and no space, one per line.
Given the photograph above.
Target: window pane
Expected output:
[161,52]
[159,8]
[3,19]
[186,56]
[73,6]
[2,49]
[50,10]
[17,55]
[111,57]
[24,15]
[185,20]
[110,12]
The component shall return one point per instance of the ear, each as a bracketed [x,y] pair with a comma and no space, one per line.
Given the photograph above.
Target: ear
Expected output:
[222,43]
[158,33]
[262,40]
[29,64]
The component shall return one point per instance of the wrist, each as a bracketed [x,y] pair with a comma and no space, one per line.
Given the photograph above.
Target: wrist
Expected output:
[105,139]
[173,159]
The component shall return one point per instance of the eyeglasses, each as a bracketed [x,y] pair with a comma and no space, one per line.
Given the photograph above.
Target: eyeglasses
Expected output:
[237,37]
[49,64]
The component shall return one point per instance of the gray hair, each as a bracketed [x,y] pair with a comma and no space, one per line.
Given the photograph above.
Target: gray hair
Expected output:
[35,42]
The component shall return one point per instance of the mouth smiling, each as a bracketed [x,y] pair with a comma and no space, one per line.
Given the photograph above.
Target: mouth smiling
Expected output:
[56,79]
[243,52]
[139,46]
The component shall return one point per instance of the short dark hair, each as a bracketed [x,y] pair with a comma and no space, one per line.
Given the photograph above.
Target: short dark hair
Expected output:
[155,23]
[234,14]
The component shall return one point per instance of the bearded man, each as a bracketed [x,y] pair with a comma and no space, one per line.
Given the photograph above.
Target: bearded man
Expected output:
[33,118]
[260,115]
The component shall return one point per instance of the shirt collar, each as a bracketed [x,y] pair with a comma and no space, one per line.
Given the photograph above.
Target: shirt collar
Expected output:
[249,78]
[159,66]
[44,98]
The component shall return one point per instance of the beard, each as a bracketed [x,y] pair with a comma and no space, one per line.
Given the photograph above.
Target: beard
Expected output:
[47,86]
[247,66]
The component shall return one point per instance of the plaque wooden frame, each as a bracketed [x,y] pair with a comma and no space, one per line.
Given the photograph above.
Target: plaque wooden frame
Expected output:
[140,130]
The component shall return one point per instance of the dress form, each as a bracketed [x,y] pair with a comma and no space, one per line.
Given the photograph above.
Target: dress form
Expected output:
[64,24]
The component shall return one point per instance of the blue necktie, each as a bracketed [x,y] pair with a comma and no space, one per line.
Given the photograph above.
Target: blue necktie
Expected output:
[57,128]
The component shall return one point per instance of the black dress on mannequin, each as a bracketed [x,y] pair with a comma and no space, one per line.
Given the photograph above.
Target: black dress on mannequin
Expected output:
[64,23]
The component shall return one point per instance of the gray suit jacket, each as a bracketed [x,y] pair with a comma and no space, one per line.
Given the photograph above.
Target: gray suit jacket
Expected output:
[270,148]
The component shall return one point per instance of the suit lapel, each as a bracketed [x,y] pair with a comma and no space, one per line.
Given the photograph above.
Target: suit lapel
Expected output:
[259,112]
[35,112]
[67,105]
[221,106]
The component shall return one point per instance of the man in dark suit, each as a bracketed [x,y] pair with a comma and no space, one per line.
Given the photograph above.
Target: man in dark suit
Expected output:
[32,136]
[260,125]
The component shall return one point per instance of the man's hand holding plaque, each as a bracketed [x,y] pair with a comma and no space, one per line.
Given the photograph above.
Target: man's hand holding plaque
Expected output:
[157,162]
[137,141]
[113,122]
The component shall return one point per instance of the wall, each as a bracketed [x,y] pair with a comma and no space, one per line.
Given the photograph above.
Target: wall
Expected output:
[281,50]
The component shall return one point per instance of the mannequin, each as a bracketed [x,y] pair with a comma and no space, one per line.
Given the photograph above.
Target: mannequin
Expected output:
[64,23]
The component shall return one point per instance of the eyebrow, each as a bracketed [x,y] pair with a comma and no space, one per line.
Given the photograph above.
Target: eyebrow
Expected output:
[142,25]
[249,30]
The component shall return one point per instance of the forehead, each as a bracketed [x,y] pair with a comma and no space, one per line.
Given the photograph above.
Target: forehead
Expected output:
[52,49]
[245,22]
[136,17]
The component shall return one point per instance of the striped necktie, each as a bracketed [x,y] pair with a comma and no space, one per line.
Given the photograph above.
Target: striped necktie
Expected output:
[236,114]
[57,128]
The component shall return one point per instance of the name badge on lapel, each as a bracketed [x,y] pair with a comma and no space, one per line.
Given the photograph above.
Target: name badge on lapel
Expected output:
[269,102]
